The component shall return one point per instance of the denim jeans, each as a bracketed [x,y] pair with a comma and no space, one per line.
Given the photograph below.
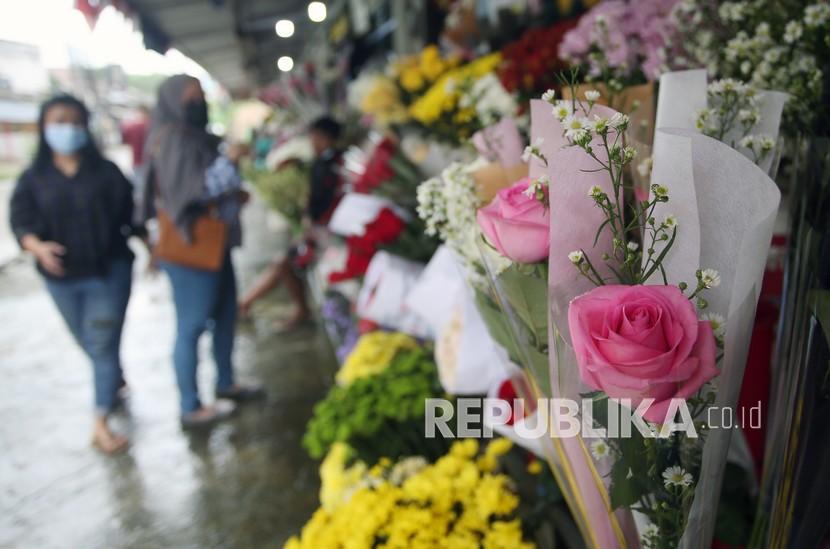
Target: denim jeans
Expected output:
[203,300]
[94,309]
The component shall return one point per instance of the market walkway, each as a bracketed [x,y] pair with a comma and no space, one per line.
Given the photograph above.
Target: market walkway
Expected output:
[246,484]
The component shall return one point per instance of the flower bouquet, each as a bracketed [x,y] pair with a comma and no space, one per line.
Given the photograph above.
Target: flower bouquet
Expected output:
[379,414]
[531,63]
[284,190]
[414,74]
[639,356]
[463,101]
[462,500]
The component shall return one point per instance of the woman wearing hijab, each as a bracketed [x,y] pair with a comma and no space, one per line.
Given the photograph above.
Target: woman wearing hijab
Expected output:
[72,210]
[188,178]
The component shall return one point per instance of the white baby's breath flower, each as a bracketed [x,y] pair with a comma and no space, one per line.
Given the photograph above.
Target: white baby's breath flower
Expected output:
[562,110]
[792,32]
[747,141]
[600,449]
[536,185]
[548,96]
[633,246]
[717,322]
[710,278]
[595,191]
[670,222]
[651,531]
[576,257]
[766,143]
[816,15]
[676,476]
[592,96]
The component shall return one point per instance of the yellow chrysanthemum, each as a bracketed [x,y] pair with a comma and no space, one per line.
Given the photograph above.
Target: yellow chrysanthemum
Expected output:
[372,354]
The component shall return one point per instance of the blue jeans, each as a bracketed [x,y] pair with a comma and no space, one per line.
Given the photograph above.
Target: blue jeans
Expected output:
[203,300]
[94,310]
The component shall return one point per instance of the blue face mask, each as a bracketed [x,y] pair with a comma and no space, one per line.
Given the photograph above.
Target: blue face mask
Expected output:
[65,138]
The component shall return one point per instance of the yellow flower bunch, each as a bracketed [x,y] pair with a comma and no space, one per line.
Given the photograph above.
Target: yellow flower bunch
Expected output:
[415,72]
[442,98]
[337,479]
[454,503]
[383,102]
[372,354]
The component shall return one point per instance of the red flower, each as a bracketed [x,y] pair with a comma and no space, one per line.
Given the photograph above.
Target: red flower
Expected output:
[378,169]
[383,230]
[531,63]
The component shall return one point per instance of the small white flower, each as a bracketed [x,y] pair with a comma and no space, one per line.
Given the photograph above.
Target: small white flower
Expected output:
[717,322]
[562,110]
[592,96]
[599,124]
[749,117]
[536,185]
[630,474]
[766,142]
[595,191]
[816,15]
[670,222]
[676,476]
[576,257]
[710,278]
[575,128]
[629,154]
[633,246]
[600,449]
[660,191]
[619,121]
[548,96]
[792,32]
[533,150]
[747,141]
[651,531]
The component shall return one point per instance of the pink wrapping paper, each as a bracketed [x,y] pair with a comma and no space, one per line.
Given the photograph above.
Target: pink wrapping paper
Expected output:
[500,143]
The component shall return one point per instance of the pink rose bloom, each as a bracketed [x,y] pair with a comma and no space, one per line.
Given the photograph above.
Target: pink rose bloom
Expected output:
[640,342]
[517,225]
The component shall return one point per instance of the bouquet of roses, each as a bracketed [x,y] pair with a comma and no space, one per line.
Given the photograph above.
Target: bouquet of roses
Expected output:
[637,318]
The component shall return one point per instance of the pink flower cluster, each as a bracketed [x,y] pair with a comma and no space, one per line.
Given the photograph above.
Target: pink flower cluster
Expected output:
[637,33]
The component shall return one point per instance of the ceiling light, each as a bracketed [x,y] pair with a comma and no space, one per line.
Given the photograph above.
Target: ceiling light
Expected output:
[284,28]
[317,12]
[285,63]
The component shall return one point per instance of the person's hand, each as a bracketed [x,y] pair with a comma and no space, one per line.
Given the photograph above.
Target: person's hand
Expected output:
[50,256]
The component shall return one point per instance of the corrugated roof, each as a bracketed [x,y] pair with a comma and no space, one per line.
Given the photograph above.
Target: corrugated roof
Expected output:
[234,40]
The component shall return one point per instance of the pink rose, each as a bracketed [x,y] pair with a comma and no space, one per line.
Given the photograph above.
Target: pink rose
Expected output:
[642,342]
[516,224]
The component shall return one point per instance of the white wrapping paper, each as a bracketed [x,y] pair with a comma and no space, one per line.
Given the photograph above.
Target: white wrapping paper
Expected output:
[382,297]
[357,210]
[469,361]
[725,207]
[683,94]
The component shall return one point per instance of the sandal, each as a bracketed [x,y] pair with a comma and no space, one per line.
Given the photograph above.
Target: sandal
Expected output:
[242,393]
[205,417]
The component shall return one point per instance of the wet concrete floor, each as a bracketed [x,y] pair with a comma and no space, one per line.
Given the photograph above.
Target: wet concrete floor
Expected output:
[246,484]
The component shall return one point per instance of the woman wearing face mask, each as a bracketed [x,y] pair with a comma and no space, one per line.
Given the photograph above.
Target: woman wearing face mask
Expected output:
[72,210]
[188,179]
